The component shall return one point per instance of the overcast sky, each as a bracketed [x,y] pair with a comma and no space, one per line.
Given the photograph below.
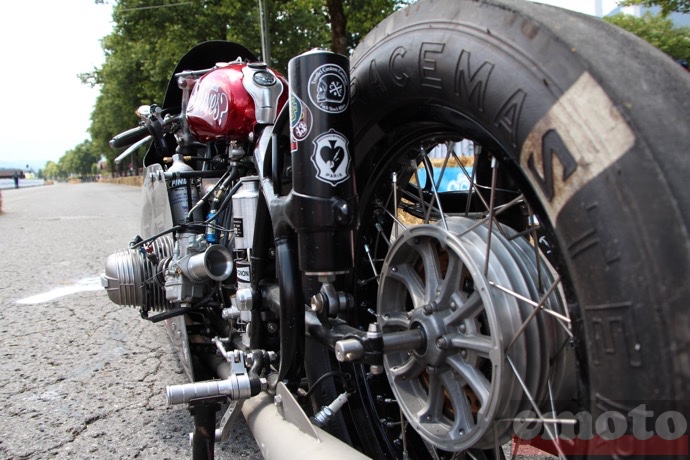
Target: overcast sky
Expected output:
[44,44]
[44,108]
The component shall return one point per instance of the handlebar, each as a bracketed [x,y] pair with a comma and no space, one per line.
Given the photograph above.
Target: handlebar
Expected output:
[129,137]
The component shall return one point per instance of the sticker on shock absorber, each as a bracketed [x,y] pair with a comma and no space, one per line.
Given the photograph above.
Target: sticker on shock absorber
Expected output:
[301,121]
[331,158]
[328,88]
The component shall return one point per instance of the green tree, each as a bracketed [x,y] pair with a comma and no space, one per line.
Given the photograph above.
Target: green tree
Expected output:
[51,171]
[147,40]
[79,160]
[667,6]
[657,30]
[149,36]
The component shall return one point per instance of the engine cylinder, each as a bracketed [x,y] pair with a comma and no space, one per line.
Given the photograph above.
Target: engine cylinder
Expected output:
[131,276]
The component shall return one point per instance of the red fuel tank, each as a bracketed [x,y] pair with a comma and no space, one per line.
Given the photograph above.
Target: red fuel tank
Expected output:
[226,102]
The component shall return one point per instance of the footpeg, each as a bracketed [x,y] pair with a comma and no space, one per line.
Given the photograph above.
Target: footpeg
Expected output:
[238,386]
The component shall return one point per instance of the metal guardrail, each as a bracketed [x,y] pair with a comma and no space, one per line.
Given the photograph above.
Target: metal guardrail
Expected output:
[23,183]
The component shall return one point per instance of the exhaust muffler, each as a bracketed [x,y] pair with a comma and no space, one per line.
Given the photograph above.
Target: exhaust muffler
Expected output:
[283,431]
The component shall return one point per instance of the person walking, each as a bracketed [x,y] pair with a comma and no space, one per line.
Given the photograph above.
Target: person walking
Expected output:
[16,179]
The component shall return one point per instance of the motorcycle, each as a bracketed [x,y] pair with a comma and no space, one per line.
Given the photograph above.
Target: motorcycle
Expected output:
[317,272]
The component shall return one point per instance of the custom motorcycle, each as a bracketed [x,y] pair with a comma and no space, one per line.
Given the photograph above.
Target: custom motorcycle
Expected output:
[319,273]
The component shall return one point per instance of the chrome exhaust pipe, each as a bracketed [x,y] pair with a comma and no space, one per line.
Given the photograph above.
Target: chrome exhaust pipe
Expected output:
[283,431]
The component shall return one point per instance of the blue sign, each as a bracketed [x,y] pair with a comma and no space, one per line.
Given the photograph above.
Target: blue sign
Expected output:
[454,179]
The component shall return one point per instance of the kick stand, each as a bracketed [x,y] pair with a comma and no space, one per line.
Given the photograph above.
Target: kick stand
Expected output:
[204,436]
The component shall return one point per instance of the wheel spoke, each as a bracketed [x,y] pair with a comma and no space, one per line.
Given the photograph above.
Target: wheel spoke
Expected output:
[396,221]
[499,210]
[538,306]
[547,427]
[450,283]
[432,267]
[427,164]
[492,201]
[432,412]
[409,278]
[422,203]
[469,309]
[461,405]
[481,344]
[475,379]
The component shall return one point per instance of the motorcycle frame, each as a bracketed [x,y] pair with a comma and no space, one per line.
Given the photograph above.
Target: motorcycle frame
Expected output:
[275,208]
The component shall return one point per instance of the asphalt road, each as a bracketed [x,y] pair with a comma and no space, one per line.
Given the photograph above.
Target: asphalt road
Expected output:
[80,377]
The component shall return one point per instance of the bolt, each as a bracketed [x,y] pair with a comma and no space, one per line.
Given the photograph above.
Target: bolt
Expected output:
[317,302]
[453,306]
[463,354]
[442,343]
[278,400]
[376,369]
[430,308]
[394,269]
[374,331]
[462,328]
[272,327]
[342,213]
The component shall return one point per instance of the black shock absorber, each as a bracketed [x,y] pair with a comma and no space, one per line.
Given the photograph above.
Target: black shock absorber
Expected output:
[322,205]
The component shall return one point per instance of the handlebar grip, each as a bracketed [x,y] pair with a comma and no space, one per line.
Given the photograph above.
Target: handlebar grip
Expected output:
[129,137]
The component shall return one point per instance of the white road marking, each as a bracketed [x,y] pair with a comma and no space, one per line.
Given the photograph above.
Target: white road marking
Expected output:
[83,285]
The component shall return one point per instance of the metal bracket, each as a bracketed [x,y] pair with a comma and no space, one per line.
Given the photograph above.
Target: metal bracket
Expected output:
[233,411]
[291,411]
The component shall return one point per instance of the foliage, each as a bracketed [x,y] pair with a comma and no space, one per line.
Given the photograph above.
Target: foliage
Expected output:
[51,171]
[147,40]
[667,6]
[149,36]
[79,161]
[657,30]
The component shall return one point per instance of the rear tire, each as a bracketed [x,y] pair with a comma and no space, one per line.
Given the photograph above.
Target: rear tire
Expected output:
[594,141]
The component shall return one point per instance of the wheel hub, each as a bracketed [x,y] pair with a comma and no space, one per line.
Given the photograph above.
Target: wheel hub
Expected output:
[434,330]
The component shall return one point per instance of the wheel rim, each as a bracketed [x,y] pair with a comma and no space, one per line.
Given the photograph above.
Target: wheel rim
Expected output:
[505,360]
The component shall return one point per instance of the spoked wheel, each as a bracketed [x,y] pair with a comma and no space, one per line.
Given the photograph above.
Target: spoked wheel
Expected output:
[552,282]
[495,337]
[485,345]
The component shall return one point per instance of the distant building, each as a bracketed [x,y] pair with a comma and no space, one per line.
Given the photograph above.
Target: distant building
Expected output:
[8,173]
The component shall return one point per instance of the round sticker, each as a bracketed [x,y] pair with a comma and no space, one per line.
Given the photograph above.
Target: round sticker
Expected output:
[300,119]
[328,89]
